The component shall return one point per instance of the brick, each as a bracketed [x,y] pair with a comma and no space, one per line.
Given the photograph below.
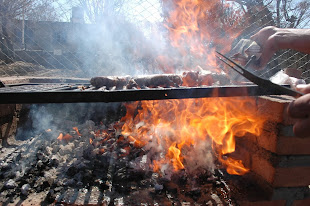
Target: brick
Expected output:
[292,177]
[264,203]
[273,107]
[286,130]
[277,170]
[301,202]
[271,140]
[263,168]
[9,129]
[292,146]
[269,136]
[280,176]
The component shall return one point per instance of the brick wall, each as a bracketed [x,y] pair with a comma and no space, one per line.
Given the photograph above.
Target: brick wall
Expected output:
[279,161]
[9,116]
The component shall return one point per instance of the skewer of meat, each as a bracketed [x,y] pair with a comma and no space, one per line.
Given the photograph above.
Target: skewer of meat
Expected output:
[151,81]
[190,79]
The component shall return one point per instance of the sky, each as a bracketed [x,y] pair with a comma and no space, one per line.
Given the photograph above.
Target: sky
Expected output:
[136,10]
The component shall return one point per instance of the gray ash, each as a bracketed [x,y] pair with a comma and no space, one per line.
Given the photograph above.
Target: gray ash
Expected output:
[98,165]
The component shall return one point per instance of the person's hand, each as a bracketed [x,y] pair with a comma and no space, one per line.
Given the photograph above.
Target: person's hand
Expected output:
[265,38]
[300,109]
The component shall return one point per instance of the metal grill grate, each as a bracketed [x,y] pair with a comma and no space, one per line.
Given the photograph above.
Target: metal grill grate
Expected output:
[73,93]
[41,87]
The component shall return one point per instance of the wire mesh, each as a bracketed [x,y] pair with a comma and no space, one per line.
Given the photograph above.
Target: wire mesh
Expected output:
[49,48]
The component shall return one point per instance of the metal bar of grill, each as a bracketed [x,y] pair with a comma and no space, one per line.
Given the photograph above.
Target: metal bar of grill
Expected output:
[73,93]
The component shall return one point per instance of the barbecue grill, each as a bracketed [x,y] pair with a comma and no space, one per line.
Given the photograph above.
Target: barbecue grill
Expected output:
[84,92]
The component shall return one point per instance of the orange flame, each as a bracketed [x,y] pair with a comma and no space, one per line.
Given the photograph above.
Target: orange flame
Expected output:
[176,126]
[175,155]
[77,131]
[197,28]
[64,137]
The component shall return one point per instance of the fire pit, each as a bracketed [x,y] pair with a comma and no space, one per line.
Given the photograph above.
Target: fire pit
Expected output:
[104,155]
[93,163]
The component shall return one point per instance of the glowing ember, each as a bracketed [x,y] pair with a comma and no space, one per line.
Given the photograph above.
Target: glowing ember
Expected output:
[77,131]
[64,137]
[177,128]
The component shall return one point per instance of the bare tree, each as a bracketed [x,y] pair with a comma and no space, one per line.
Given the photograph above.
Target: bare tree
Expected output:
[97,10]
[17,9]
[41,10]
[280,13]
[292,13]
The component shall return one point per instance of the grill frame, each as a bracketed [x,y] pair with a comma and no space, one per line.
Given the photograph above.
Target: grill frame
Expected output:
[81,92]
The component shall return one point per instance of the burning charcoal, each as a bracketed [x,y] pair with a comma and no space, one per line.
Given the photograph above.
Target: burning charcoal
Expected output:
[42,186]
[88,153]
[87,177]
[212,178]
[69,182]
[50,176]
[39,164]
[5,166]
[72,170]
[55,149]
[81,166]
[79,184]
[123,189]
[179,177]
[119,201]
[40,155]
[10,184]
[53,161]
[25,189]
[10,174]
[171,188]
[216,199]
[17,157]
[50,196]
[195,194]
[48,150]
[158,188]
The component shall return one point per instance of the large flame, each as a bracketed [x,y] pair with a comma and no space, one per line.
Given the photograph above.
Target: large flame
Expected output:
[174,127]
[197,28]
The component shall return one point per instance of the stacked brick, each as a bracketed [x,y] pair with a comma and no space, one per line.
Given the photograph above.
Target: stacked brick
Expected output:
[279,161]
[9,116]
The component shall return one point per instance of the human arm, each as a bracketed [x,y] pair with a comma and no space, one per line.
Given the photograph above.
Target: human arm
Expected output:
[272,39]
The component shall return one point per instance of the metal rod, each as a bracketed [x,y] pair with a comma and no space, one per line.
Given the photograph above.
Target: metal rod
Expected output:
[68,96]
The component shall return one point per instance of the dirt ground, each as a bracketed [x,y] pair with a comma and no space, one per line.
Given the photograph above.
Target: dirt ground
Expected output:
[20,69]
